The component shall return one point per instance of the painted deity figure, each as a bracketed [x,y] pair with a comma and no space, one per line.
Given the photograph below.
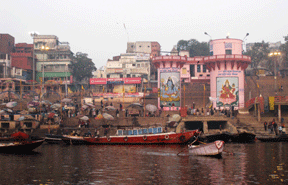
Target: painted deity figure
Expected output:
[227,93]
[170,89]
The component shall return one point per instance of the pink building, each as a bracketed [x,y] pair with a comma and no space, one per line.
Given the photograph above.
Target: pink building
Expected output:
[227,66]
[224,70]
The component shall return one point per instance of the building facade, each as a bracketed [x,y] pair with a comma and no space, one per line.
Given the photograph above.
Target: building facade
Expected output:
[22,61]
[6,47]
[53,60]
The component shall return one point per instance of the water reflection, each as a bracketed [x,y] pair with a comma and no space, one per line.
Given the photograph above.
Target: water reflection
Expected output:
[258,163]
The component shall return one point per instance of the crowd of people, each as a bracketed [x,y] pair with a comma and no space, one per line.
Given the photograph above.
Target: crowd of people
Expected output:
[274,127]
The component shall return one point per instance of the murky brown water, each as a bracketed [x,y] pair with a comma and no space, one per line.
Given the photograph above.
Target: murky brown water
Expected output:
[257,163]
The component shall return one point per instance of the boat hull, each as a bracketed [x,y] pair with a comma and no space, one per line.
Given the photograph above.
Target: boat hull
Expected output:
[20,147]
[74,140]
[211,149]
[53,139]
[243,137]
[226,137]
[160,138]
[281,138]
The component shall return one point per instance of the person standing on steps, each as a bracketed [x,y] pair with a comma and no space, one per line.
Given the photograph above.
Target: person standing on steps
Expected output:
[265,126]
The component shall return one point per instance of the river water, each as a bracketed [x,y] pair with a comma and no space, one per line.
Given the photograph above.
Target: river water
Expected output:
[256,163]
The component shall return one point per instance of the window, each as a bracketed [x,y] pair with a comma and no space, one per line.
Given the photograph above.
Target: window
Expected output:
[211,53]
[128,75]
[204,68]
[198,68]
[228,52]
[133,65]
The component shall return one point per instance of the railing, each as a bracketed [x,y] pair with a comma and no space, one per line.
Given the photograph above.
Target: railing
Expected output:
[200,58]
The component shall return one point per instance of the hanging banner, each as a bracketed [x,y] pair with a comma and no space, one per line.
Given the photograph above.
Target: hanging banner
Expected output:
[271,102]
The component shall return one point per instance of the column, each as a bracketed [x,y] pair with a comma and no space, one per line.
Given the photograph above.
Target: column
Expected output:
[205,127]
[279,113]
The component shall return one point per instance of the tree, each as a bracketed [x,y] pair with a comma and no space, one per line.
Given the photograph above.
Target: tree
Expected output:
[194,47]
[284,51]
[82,66]
[258,53]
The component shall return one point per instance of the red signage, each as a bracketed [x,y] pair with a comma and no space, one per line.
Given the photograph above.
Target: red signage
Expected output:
[94,81]
[98,81]
[114,79]
[132,80]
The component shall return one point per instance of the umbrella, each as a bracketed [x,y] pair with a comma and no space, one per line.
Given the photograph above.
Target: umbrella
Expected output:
[66,100]
[85,118]
[2,112]
[20,135]
[90,105]
[175,117]
[46,102]
[21,118]
[110,108]
[108,116]
[84,107]
[33,103]
[11,104]
[56,106]
[8,110]
[24,112]
[151,108]
[135,105]
[3,103]
[51,115]
[99,116]
[172,124]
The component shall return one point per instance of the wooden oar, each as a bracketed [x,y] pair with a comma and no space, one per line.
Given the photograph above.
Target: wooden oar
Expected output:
[188,144]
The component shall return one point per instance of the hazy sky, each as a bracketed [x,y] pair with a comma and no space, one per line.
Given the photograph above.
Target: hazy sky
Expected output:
[96,27]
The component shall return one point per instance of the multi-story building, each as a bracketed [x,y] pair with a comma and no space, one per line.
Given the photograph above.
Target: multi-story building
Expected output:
[53,60]
[6,47]
[146,47]
[22,61]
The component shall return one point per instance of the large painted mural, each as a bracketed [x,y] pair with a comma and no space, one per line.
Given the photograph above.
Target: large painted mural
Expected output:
[227,91]
[170,89]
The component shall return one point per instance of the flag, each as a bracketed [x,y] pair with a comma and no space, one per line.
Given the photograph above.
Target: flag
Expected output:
[103,89]
[124,26]
[257,85]
[82,88]
[204,88]
[184,87]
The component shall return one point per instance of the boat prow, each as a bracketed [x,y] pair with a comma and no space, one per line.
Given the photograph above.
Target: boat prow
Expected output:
[210,149]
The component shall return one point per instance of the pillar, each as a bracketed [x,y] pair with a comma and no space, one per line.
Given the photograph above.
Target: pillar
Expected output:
[259,116]
[205,127]
[279,113]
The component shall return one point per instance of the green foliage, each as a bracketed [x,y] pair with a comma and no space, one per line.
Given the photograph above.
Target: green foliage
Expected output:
[258,53]
[194,47]
[284,51]
[82,66]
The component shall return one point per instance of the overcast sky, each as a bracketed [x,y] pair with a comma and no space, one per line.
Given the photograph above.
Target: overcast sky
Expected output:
[97,27]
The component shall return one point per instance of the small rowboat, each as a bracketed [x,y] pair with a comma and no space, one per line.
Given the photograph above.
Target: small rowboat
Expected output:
[210,149]
[20,147]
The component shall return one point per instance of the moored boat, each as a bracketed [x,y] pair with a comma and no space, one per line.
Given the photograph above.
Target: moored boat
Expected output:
[243,137]
[151,138]
[20,147]
[53,139]
[280,138]
[210,149]
[223,136]
[74,140]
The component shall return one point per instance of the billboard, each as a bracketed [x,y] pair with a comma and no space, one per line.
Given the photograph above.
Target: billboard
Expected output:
[170,89]
[227,91]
